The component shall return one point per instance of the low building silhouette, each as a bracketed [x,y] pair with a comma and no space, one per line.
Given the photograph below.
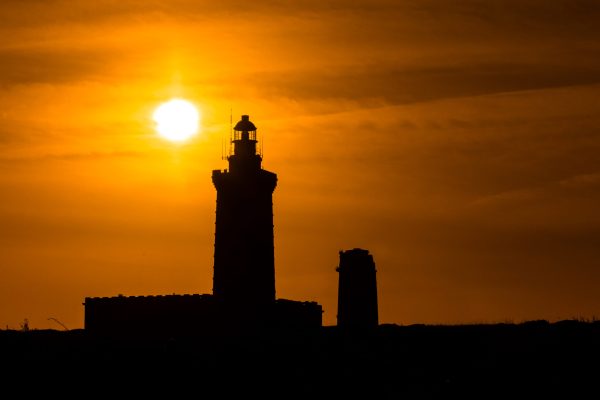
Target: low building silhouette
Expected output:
[357,290]
[244,267]
[192,314]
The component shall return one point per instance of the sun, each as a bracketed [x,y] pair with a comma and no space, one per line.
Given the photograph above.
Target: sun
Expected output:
[176,120]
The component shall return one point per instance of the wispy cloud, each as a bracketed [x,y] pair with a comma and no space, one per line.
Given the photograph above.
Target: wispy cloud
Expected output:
[92,155]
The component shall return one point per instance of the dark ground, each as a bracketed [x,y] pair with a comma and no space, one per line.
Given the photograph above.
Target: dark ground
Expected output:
[533,359]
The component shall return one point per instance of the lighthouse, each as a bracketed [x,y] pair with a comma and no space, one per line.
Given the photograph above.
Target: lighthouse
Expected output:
[244,263]
[244,266]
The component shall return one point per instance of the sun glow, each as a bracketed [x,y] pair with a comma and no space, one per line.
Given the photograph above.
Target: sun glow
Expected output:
[176,120]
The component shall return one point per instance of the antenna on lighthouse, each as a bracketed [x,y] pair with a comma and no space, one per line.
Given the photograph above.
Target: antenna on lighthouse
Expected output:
[262,142]
[222,146]
[230,128]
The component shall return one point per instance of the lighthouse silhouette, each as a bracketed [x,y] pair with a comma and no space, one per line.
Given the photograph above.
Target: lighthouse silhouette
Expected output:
[244,263]
[244,266]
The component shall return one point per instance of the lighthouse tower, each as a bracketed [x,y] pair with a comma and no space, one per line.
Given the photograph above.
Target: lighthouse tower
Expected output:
[244,265]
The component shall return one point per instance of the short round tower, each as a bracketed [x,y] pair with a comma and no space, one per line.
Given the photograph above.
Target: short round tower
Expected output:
[357,290]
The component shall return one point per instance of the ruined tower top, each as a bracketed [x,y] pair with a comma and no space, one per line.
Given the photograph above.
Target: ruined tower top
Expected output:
[357,290]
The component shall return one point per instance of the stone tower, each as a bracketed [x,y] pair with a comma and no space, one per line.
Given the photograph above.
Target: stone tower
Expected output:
[357,290]
[244,265]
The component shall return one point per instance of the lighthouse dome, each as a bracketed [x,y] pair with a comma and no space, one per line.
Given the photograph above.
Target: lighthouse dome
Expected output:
[245,125]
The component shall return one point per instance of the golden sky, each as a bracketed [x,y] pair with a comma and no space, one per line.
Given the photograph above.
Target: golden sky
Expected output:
[458,141]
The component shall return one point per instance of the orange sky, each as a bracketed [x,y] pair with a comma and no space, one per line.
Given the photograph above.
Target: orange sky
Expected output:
[458,141]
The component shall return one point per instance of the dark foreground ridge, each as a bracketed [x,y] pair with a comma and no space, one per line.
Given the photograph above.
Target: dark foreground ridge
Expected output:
[418,361]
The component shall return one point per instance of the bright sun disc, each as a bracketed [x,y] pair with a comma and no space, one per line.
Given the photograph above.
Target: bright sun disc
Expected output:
[176,120]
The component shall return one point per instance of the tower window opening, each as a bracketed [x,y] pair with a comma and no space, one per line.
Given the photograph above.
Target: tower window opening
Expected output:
[244,135]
